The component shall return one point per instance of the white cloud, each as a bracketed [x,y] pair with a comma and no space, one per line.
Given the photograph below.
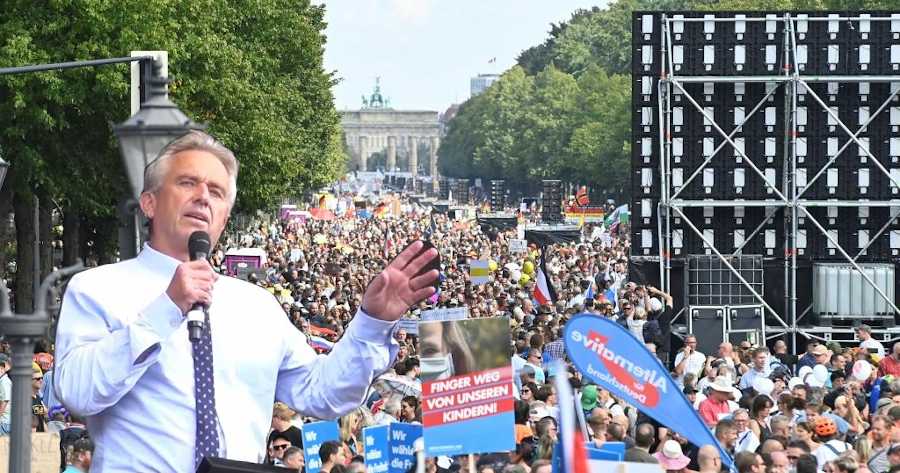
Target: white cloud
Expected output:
[413,11]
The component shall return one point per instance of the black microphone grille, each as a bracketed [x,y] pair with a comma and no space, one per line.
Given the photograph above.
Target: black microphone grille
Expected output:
[198,243]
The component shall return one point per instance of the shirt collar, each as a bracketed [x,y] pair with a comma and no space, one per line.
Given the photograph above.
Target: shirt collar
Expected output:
[157,260]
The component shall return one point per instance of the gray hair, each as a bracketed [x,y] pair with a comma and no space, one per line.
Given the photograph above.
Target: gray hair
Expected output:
[194,140]
[392,406]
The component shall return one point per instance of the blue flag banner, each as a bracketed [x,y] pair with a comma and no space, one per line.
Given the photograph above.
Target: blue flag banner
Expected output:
[314,435]
[390,448]
[615,360]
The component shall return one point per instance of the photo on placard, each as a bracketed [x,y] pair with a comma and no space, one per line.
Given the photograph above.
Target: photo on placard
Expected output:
[457,347]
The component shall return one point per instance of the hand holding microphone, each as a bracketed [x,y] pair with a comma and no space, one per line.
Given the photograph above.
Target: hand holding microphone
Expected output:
[191,286]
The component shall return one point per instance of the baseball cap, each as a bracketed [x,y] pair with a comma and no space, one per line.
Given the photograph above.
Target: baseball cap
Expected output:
[589,397]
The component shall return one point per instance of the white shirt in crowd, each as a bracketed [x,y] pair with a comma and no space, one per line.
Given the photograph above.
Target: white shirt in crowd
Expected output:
[829,450]
[695,364]
[874,344]
[747,441]
[124,361]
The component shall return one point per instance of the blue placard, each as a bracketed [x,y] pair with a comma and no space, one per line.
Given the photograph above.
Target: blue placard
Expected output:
[391,448]
[403,452]
[614,451]
[314,435]
[611,357]
[376,450]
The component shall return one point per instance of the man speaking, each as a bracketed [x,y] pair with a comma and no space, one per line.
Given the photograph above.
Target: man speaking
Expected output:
[157,400]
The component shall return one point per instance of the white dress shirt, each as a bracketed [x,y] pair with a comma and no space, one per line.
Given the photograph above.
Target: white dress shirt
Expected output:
[124,361]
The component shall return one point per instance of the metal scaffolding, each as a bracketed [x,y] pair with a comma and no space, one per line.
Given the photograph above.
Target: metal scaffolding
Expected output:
[785,196]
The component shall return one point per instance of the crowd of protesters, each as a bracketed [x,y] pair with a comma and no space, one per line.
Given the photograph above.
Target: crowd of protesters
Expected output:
[830,409]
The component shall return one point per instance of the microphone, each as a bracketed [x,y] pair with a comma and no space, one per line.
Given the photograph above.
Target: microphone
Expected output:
[198,248]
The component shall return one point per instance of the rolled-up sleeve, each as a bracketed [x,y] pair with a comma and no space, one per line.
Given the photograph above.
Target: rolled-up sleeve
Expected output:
[329,386]
[99,359]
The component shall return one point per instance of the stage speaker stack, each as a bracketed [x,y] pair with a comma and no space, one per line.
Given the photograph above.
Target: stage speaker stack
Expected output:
[444,188]
[498,195]
[551,202]
[461,192]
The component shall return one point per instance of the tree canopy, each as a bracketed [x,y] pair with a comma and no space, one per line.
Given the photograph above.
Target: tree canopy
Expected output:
[251,69]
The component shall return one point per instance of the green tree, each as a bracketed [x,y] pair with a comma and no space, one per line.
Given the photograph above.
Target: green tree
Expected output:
[251,69]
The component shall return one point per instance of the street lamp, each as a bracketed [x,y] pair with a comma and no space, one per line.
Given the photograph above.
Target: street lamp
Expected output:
[4,167]
[143,135]
[141,138]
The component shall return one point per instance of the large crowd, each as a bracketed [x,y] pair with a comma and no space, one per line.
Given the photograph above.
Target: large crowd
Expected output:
[830,409]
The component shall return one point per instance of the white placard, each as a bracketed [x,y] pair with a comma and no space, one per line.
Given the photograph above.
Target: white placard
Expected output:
[450,313]
[518,246]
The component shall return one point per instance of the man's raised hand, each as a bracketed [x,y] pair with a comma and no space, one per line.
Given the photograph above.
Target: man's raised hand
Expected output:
[400,285]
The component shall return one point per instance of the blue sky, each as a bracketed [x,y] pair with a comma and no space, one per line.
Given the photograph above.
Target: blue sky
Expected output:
[425,51]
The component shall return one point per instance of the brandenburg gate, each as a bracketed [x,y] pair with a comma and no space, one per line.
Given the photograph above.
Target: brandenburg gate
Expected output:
[400,134]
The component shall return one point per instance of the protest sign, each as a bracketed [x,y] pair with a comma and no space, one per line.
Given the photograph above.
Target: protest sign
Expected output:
[285,211]
[467,397]
[608,451]
[389,448]
[375,450]
[479,271]
[450,313]
[517,246]
[615,360]
[242,262]
[314,435]
[410,325]
[44,453]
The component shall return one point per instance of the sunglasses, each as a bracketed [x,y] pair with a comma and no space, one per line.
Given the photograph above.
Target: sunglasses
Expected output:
[280,447]
[37,378]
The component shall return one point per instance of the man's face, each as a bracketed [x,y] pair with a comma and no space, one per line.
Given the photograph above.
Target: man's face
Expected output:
[793,454]
[779,385]
[821,358]
[880,431]
[758,466]
[742,421]
[839,362]
[780,463]
[295,461]
[85,458]
[894,458]
[37,381]
[862,334]
[691,342]
[725,350]
[279,446]
[759,361]
[194,195]
[729,438]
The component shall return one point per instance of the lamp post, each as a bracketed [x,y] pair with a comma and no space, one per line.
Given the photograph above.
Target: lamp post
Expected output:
[141,138]
[4,168]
